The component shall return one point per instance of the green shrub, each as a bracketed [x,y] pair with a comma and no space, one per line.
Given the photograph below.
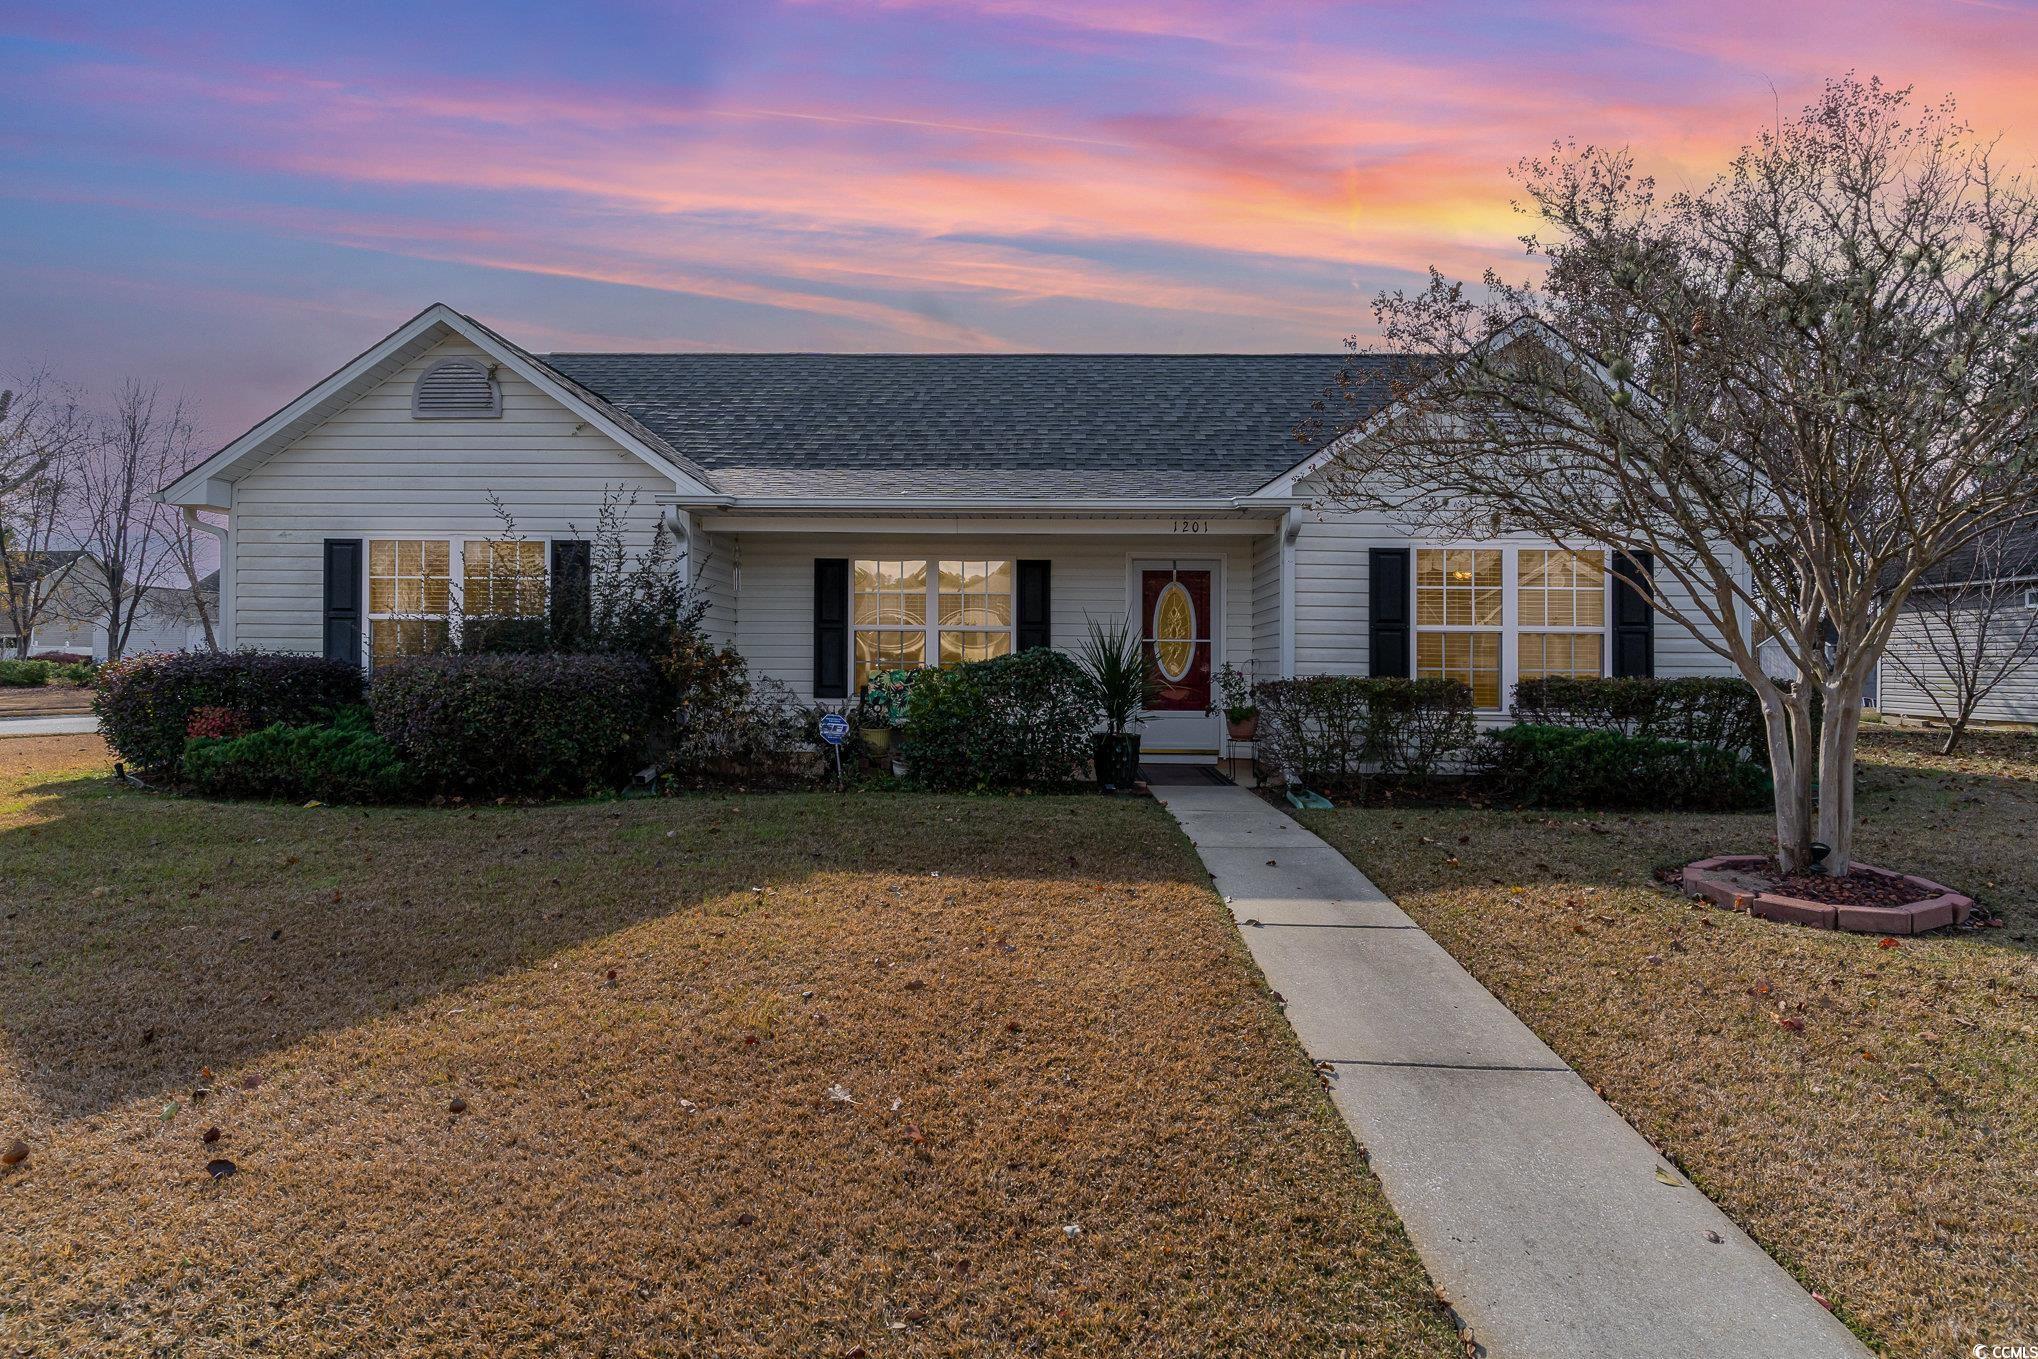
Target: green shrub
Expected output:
[344,761]
[1718,713]
[759,737]
[1021,721]
[145,703]
[25,674]
[1333,731]
[74,672]
[516,726]
[1574,767]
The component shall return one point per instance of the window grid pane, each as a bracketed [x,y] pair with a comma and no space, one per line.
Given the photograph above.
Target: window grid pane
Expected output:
[1470,657]
[505,579]
[409,575]
[1559,589]
[1458,587]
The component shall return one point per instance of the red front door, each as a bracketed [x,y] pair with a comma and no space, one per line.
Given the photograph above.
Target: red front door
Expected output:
[1175,626]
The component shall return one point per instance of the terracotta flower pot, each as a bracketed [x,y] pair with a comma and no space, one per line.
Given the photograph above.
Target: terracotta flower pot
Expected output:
[1245,728]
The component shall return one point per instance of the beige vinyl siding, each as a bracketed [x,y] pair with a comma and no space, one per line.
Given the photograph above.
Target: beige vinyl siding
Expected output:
[373,470]
[1266,600]
[2014,700]
[716,567]
[1091,575]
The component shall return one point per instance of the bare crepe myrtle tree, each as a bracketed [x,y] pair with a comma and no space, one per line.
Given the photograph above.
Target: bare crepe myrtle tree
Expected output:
[1969,627]
[40,430]
[1798,387]
[138,443]
[34,431]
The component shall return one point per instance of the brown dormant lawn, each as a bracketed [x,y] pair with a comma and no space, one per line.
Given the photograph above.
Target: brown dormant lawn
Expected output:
[44,700]
[1868,1112]
[797,1075]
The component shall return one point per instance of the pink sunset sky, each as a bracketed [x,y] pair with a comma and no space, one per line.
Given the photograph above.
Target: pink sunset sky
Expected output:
[232,199]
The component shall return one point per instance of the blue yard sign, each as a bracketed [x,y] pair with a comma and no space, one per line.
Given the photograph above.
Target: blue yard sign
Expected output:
[834,728]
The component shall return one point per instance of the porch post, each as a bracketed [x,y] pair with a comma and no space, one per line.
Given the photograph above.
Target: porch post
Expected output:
[1291,529]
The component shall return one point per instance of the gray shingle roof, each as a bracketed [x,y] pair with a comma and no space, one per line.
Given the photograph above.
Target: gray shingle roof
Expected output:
[1087,426]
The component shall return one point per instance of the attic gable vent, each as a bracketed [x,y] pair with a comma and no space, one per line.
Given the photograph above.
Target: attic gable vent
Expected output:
[457,389]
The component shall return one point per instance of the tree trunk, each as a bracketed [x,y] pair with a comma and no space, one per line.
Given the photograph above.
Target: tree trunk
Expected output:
[1782,715]
[1836,775]
[1954,731]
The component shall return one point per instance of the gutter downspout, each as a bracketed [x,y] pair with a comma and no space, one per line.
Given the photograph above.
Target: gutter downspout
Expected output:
[223,628]
[1291,529]
[679,524]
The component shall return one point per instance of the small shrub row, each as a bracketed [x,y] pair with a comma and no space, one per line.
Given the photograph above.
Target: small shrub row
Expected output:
[25,674]
[1716,713]
[516,726]
[340,761]
[1017,722]
[1549,766]
[1334,731]
[146,703]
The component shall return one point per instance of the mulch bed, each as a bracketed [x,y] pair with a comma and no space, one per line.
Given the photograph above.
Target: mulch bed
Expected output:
[1857,888]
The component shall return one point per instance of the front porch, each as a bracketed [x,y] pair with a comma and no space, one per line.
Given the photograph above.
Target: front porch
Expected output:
[1209,586]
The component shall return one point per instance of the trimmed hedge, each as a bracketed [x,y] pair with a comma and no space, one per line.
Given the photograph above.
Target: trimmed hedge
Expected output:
[25,674]
[516,725]
[1717,713]
[1020,721]
[145,704]
[1573,767]
[341,762]
[1332,731]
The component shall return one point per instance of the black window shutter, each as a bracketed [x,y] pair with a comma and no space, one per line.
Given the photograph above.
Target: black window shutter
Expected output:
[1388,646]
[343,600]
[1634,617]
[831,627]
[572,591]
[1036,605]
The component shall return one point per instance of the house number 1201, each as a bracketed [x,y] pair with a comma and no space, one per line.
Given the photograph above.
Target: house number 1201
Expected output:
[1192,526]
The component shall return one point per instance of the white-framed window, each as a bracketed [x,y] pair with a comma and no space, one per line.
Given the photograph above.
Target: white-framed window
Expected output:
[1495,615]
[1560,613]
[420,587]
[907,613]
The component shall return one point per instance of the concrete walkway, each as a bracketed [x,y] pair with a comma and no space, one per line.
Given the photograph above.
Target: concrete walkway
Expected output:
[48,726]
[1536,1208]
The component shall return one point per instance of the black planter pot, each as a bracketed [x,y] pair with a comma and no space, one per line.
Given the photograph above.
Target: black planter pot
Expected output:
[1117,759]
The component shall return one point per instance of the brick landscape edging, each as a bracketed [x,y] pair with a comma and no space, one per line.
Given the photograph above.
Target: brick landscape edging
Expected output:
[1937,905]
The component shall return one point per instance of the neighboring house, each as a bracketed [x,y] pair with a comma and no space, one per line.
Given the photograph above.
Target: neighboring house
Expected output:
[1907,689]
[76,622]
[843,513]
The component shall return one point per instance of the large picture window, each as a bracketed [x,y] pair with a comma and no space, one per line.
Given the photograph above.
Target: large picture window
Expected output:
[906,614]
[1495,616]
[413,605]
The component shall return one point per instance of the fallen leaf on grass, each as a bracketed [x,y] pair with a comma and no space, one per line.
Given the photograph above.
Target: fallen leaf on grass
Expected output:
[1791,1022]
[16,1153]
[209,1136]
[458,1106]
[1887,942]
[839,1094]
[219,1170]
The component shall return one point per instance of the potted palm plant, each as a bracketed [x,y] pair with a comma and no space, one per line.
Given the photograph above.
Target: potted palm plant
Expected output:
[1235,696]
[1115,664]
